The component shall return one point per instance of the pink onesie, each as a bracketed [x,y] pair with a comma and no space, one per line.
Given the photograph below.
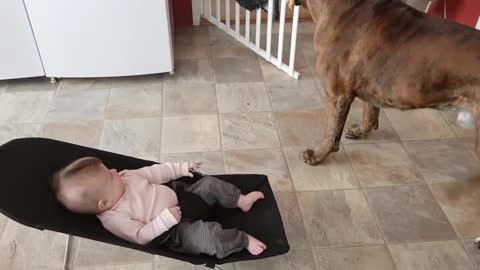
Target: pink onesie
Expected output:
[142,212]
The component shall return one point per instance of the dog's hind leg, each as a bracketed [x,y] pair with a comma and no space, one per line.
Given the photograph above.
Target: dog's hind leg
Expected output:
[337,112]
[369,122]
[476,116]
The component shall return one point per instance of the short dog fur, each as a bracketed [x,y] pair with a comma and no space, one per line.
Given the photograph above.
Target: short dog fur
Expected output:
[390,55]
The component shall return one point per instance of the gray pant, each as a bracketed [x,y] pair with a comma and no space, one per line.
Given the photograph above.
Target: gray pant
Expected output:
[200,237]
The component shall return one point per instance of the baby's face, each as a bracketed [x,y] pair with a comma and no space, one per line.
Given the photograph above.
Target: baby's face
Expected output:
[103,178]
[103,186]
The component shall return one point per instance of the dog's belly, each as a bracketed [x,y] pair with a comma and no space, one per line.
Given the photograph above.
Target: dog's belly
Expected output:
[407,99]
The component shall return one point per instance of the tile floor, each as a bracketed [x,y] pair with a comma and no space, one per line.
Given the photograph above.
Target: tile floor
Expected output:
[407,197]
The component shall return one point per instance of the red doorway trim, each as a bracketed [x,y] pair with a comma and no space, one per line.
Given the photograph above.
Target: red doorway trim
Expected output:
[182,12]
[465,12]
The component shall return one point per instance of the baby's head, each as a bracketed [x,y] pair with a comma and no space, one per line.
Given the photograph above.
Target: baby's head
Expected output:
[87,186]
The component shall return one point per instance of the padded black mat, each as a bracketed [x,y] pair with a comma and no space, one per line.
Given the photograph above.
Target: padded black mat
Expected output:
[25,196]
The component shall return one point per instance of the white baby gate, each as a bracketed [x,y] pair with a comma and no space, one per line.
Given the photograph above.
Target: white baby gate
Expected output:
[206,11]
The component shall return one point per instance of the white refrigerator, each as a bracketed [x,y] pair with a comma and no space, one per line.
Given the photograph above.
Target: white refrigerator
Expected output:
[107,38]
[19,56]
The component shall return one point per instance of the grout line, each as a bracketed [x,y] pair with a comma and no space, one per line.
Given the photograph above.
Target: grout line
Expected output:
[429,186]
[215,85]
[159,151]
[102,133]
[287,163]
[220,130]
[50,106]
[375,218]
[279,138]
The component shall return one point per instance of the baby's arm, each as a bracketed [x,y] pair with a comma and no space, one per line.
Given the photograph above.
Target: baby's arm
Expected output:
[135,231]
[165,172]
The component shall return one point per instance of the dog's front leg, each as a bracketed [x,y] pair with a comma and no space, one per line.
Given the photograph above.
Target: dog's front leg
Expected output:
[337,112]
[369,122]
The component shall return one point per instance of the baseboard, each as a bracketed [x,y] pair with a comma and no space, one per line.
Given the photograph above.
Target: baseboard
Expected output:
[204,21]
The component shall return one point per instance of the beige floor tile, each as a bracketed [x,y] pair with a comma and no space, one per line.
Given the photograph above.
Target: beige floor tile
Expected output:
[451,117]
[9,132]
[228,266]
[270,162]
[292,220]
[134,103]
[472,249]
[192,70]
[420,124]
[140,81]
[187,51]
[184,134]
[98,267]
[294,96]
[24,106]
[229,47]
[294,260]
[448,255]
[248,131]
[3,223]
[3,85]
[215,33]
[132,136]
[242,97]
[85,84]
[237,69]
[188,98]
[31,85]
[444,161]
[340,217]
[409,213]
[469,142]
[305,38]
[354,258]
[197,36]
[384,133]
[24,248]
[301,128]
[139,266]
[460,203]
[82,132]
[152,157]
[308,52]
[87,253]
[164,263]
[382,164]
[271,73]
[74,105]
[212,162]
[357,104]
[335,173]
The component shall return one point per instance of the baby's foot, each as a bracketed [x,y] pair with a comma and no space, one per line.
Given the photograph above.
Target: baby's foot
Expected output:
[245,202]
[255,247]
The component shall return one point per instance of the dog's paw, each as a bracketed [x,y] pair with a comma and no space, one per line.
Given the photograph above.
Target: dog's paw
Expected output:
[310,158]
[354,132]
[477,240]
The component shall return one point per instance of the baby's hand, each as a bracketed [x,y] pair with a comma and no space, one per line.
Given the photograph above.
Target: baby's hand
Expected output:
[176,212]
[195,166]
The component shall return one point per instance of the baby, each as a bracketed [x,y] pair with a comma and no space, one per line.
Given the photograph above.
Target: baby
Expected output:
[140,205]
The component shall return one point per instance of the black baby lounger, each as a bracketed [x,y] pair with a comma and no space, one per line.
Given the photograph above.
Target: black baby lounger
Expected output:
[28,163]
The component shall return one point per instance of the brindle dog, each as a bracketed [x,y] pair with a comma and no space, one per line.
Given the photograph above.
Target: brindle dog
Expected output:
[388,54]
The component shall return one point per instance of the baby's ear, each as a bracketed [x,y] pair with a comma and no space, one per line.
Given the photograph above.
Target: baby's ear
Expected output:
[103,205]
